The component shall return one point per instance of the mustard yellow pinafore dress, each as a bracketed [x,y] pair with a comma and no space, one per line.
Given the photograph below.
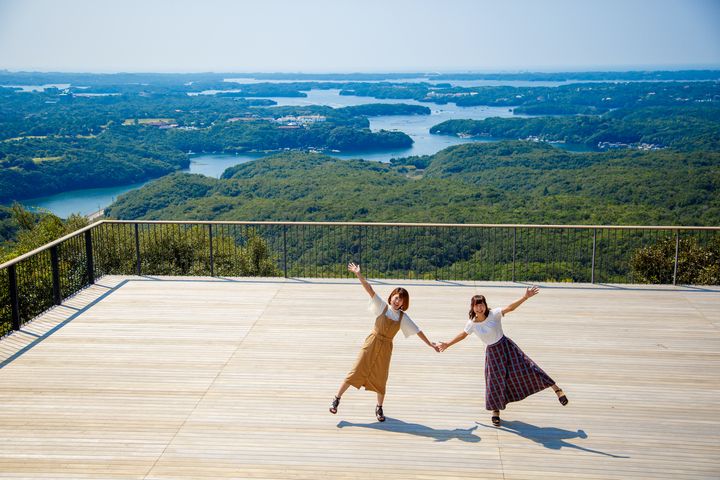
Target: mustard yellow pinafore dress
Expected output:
[373,363]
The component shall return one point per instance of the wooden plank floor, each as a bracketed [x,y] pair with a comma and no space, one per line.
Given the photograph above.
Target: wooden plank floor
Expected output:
[144,378]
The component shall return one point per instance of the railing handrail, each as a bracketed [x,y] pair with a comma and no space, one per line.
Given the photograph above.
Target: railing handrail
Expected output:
[48,246]
[357,224]
[398,224]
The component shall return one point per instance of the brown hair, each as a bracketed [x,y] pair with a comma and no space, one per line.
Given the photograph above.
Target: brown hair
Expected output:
[474,301]
[404,296]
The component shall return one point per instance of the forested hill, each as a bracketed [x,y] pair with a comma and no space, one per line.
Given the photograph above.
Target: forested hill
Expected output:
[504,182]
[691,127]
[52,142]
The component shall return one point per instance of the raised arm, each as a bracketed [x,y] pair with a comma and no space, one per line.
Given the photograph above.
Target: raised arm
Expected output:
[445,345]
[530,292]
[356,270]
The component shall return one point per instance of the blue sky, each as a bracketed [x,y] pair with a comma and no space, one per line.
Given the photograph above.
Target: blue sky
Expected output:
[350,36]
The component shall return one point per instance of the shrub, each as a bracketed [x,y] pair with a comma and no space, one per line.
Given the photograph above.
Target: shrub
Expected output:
[697,264]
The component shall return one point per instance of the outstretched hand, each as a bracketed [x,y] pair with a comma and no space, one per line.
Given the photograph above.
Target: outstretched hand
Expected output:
[354,268]
[532,291]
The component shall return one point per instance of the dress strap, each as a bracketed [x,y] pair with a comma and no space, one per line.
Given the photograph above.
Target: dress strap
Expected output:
[384,310]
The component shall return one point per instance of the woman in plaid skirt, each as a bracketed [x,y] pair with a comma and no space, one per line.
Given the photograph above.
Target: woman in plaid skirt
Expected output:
[510,375]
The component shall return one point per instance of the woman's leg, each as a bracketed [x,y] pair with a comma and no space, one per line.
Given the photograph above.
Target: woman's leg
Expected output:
[336,400]
[342,389]
[560,394]
[379,414]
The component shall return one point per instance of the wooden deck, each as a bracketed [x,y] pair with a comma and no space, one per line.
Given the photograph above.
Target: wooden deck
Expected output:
[231,378]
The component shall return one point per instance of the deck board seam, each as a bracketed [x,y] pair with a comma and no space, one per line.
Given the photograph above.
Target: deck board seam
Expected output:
[210,385]
[499,449]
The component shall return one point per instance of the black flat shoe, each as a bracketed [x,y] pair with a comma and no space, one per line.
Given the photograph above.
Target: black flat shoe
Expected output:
[334,405]
[561,397]
[495,420]
[379,413]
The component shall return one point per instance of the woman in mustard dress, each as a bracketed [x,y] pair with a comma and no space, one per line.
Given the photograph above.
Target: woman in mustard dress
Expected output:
[373,363]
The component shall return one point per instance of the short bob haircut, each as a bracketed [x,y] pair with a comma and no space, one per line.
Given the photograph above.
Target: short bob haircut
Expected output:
[474,301]
[404,296]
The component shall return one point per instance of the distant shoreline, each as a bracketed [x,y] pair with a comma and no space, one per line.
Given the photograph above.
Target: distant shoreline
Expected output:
[713,73]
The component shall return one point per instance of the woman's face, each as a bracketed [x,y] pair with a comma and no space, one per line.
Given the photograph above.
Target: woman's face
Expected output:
[480,309]
[396,302]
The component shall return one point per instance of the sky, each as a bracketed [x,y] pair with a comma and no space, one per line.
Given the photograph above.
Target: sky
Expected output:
[357,36]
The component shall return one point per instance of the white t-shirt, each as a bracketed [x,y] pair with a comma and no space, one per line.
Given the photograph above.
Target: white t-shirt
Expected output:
[408,327]
[489,330]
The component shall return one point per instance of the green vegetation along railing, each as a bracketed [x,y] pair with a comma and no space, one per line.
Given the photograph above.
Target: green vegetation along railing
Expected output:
[34,282]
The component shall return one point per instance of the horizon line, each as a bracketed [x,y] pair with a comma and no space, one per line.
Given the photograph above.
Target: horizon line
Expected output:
[421,72]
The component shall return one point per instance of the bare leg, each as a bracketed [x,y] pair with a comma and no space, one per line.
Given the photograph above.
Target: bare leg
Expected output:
[342,389]
[336,400]
[560,394]
[379,410]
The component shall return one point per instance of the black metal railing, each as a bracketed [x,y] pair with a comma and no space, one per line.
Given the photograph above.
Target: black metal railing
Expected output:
[34,282]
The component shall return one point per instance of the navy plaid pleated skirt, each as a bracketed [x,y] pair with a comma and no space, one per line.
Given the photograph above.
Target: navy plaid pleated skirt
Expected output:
[510,375]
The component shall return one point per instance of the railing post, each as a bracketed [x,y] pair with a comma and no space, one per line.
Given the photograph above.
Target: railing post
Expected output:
[514,250]
[677,250]
[55,267]
[360,236]
[592,269]
[14,297]
[437,259]
[89,256]
[212,259]
[137,250]
[285,250]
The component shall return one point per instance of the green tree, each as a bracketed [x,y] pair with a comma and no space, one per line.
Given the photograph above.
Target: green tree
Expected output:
[697,264]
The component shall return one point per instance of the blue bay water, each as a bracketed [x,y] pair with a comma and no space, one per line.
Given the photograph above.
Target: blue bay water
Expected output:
[83,202]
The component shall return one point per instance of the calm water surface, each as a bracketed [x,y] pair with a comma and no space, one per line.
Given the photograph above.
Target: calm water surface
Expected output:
[84,201]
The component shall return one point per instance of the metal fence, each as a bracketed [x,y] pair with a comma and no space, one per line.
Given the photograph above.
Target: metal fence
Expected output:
[34,282]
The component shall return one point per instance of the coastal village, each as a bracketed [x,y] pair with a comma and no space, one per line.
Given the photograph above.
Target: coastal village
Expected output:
[288,121]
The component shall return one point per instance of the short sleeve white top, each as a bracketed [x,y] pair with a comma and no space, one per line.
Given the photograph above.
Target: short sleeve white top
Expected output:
[408,327]
[489,330]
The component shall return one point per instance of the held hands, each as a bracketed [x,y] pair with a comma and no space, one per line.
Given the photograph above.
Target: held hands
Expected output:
[439,346]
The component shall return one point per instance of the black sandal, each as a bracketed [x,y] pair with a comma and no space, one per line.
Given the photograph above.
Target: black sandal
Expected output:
[495,420]
[334,405]
[562,398]
[379,413]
